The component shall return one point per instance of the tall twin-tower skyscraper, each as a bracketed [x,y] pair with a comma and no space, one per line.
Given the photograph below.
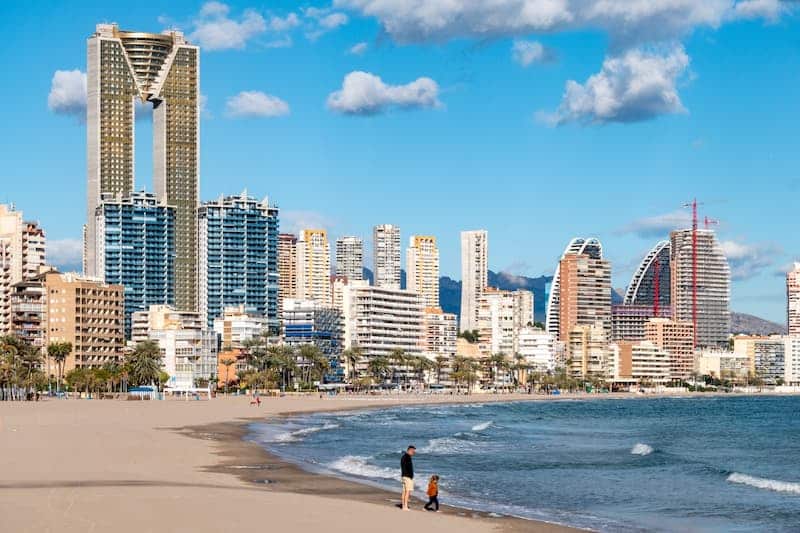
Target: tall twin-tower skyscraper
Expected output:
[162,70]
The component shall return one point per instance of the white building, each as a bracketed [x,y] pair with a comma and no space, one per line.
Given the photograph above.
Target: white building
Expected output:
[793,299]
[386,256]
[538,348]
[474,275]
[189,350]
[588,351]
[440,333]
[501,316]
[350,258]
[22,253]
[379,320]
[711,362]
[792,360]
[314,266]
[236,326]
[422,268]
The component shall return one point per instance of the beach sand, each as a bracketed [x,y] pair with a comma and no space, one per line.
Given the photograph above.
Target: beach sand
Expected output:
[109,465]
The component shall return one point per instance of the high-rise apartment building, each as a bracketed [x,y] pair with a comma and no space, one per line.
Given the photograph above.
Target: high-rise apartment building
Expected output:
[34,247]
[309,322]
[350,258]
[585,293]
[501,317]
[238,240]
[793,300]
[652,277]
[538,348]
[703,274]
[474,275]
[577,246]
[386,256]
[440,333]
[136,249]
[677,339]
[588,351]
[162,69]
[422,268]
[28,313]
[287,267]
[314,266]
[87,313]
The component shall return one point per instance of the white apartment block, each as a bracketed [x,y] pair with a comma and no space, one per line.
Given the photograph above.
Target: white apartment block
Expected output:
[792,360]
[474,275]
[422,268]
[236,326]
[501,316]
[379,320]
[440,333]
[713,362]
[314,266]
[793,299]
[350,258]
[588,351]
[189,350]
[538,347]
[386,256]
[638,362]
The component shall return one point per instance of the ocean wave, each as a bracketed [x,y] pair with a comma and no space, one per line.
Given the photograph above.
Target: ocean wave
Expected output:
[483,426]
[764,483]
[641,449]
[358,465]
[445,446]
[298,434]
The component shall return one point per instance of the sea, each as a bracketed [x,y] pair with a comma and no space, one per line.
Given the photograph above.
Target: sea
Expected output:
[714,464]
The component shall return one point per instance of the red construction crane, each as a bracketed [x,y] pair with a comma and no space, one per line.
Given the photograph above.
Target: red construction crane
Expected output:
[710,222]
[693,204]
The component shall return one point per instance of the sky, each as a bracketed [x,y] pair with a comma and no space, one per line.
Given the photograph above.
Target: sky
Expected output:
[538,120]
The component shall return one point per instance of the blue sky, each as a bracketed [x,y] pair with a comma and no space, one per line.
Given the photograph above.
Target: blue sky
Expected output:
[537,120]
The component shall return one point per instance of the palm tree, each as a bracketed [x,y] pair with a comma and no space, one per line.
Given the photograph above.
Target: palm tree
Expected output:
[352,357]
[59,352]
[144,363]
[378,367]
[439,364]
[398,359]
[227,362]
[464,371]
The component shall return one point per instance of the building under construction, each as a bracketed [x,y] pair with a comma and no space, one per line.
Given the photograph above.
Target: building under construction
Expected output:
[700,285]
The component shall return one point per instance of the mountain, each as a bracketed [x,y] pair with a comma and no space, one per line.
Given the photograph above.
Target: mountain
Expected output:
[753,325]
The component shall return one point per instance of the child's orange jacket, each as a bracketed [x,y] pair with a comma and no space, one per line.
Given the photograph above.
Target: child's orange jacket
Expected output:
[433,489]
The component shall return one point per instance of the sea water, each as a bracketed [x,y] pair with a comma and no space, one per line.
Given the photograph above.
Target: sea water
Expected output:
[714,464]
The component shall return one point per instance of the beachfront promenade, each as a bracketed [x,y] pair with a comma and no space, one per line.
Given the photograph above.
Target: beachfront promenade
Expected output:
[91,465]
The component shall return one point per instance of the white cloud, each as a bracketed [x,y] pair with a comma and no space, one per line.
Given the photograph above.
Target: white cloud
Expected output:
[527,53]
[637,85]
[363,93]
[284,23]
[659,226]
[748,260]
[214,30]
[255,104]
[323,20]
[68,93]
[333,20]
[298,220]
[358,49]
[627,21]
[65,254]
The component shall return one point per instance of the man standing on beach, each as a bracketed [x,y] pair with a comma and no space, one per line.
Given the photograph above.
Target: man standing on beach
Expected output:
[407,476]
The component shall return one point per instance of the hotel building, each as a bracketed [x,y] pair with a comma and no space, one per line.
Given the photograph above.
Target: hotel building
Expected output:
[162,69]
[422,268]
[578,246]
[350,258]
[585,293]
[474,275]
[287,267]
[677,339]
[386,256]
[314,266]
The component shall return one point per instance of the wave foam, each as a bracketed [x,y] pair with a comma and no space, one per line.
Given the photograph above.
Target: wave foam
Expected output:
[294,436]
[358,465]
[641,449]
[482,426]
[764,483]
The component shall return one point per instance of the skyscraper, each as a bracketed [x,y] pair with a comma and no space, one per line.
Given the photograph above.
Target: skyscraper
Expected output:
[793,300]
[287,268]
[713,278]
[578,245]
[386,256]
[422,268]
[585,299]
[136,249]
[162,69]
[651,277]
[474,275]
[314,266]
[238,257]
[350,258]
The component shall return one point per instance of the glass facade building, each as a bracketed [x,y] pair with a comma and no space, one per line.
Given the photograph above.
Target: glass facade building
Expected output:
[136,249]
[239,257]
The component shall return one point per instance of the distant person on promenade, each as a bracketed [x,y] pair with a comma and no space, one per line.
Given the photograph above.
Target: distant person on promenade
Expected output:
[433,494]
[407,476]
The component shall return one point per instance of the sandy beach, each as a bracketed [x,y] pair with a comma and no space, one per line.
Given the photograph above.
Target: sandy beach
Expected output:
[92,465]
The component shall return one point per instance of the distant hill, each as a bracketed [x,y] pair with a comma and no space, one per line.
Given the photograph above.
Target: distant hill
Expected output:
[753,325]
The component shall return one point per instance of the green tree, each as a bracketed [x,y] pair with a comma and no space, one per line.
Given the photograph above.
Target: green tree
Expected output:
[227,362]
[144,364]
[352,357]
[378,368]
[59,351]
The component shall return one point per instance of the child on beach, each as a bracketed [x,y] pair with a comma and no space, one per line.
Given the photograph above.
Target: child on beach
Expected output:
[433,494]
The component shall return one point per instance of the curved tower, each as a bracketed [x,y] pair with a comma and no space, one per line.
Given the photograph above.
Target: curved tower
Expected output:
[642,288]
[577,246]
